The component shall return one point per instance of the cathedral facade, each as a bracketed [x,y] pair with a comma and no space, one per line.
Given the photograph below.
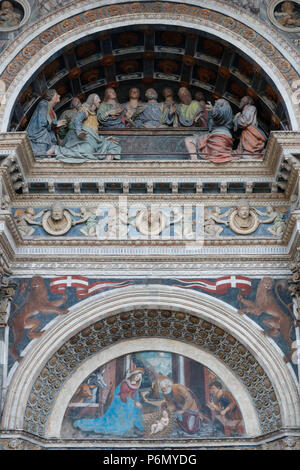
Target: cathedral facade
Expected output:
[149,224]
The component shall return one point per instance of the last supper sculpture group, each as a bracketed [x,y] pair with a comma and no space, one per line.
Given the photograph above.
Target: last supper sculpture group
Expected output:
[76,136]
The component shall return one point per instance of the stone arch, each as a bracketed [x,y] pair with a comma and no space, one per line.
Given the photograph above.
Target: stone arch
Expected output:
[261,44]
[109,320]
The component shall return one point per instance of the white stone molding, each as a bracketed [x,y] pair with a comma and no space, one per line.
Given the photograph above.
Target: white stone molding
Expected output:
[104,305]
[160,269]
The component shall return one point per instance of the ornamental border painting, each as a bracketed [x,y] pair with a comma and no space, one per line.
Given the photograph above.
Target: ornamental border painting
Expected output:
[285,15]
[152,395]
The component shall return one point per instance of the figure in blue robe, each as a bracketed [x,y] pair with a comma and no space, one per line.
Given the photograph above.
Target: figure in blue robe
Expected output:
[124,413]
[150,114]
[43,123]
[82,142]
[111,114]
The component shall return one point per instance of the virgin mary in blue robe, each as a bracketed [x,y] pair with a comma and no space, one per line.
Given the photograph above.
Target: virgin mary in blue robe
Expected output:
[121,417]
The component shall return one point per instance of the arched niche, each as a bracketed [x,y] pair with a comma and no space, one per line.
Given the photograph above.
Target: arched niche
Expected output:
[107,322]
[73,24]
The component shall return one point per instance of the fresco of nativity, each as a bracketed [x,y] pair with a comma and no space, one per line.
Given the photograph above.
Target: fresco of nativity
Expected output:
[152,395]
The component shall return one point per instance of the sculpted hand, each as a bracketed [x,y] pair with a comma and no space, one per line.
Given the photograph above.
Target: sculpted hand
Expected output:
[139,405]
[129,113]
[115,112]
[61,123]
[113,139]
[82,135]
[209,107]
[173,108]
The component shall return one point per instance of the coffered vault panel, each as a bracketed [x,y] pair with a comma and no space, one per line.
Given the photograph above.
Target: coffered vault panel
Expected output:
[149,55]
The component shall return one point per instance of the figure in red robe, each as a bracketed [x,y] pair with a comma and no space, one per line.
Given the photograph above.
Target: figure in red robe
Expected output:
[253,139]
[215,145]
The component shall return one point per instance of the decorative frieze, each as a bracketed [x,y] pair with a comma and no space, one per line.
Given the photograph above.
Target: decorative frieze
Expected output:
[129,221]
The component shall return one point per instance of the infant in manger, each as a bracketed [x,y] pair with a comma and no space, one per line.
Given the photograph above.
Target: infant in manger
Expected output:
[159,425]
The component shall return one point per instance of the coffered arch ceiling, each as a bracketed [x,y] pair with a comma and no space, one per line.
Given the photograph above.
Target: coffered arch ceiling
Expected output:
[157,56]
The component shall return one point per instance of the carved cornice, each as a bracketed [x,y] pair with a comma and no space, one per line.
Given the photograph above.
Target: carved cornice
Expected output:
[248,171]
[281,145]
[157,266]
[96,200]
[283,439]
[162,269]
[18,143]
[9,237]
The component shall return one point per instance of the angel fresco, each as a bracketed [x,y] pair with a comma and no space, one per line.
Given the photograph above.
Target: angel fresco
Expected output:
[213,219]
[275,216]
[89,218]
[25,219]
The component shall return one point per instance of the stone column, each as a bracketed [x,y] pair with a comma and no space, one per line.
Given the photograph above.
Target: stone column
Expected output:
[6,294]
[181,372]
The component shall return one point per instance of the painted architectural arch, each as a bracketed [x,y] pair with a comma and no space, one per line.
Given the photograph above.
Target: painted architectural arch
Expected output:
[197,326]
[39,48]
